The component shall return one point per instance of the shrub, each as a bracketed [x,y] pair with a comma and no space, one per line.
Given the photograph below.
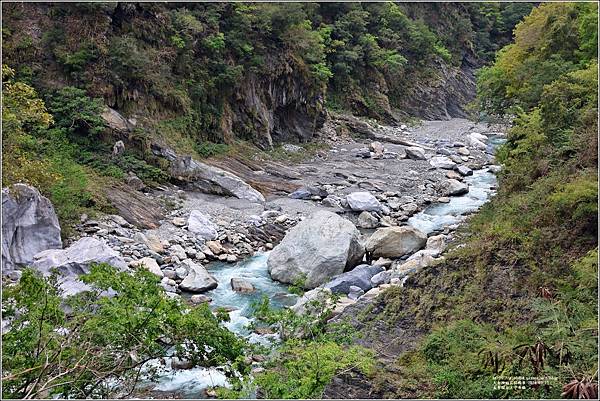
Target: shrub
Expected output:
[83,350]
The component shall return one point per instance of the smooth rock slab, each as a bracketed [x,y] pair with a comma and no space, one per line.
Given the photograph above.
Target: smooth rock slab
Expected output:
[318,248]
[29,225]
[395,242]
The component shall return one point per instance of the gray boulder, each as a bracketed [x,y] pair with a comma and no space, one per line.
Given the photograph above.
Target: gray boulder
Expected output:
[212,179]
[75,261]
[415,153]
[363,201]
[360,277]
[29,225]
[318,248]
[201,225]
[395,242]
[198,279]
[455,188]
[442,162]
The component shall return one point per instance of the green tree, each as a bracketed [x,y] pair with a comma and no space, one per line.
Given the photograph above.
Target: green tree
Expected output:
[82,346]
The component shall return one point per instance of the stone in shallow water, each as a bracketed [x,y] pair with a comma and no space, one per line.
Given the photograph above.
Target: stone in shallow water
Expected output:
[197,279]
[241,285]
[455,188]
[318,248]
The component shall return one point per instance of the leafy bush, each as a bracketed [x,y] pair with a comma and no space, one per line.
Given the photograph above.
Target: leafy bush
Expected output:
[97,341]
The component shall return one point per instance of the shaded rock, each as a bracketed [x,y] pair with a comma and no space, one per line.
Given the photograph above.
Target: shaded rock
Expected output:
[115,121]
[29,225]
[75,261]
[355,292]
[201,225]
[381,278]
[318,248]
[415,153]
[455,188]
[395,242]
[198,279]
[307,192]
[360,277]
[363,201]
[463,151]
[241,285]
[464,170]
[442,162]
[367,220]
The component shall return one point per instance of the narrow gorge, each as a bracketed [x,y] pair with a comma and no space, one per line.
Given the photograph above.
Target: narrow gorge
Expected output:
[299,200]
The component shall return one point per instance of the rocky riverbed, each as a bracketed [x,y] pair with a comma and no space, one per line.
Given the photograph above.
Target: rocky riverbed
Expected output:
[379,203]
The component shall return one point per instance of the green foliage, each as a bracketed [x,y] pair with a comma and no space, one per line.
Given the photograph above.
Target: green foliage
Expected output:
[553,40]
[78,351]
[310,353]
[208,149]
[76,113]
[303,369]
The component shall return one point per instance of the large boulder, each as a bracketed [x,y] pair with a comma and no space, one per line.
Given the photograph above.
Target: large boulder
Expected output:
[318,248]
[29,225]
[76,260]
[201,225]
[363,201]
[360,276]
[442,162]
[212,179]
[198,279]
[395,242]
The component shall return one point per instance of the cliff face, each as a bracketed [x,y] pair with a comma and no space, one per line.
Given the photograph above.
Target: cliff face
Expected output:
[281,107]
[200,73]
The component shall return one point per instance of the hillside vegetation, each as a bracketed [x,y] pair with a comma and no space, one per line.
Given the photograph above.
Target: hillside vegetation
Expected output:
[519,298]
[201,77]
